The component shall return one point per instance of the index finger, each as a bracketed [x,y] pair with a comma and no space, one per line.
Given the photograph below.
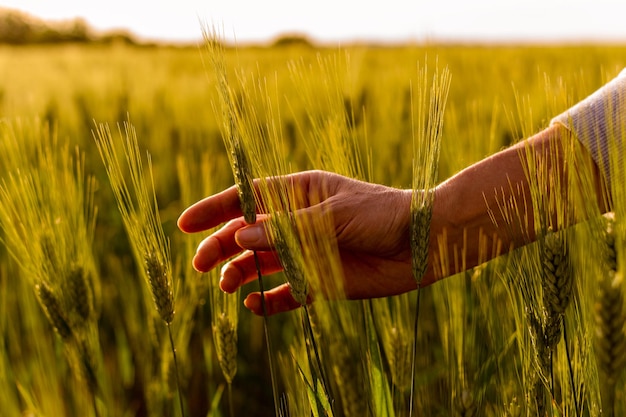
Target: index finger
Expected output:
[211,211]
[225,206]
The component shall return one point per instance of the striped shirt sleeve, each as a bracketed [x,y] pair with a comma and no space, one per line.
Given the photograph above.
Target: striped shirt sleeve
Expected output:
[599,122]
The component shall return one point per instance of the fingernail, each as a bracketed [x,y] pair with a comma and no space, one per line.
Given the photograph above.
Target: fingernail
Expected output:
[249,235]
[253,303]
[229,278]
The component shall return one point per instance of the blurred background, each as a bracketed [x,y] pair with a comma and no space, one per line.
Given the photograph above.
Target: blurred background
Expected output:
[328,21]
[310,70]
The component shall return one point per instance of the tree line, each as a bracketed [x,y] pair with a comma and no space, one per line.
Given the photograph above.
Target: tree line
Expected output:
[19,28]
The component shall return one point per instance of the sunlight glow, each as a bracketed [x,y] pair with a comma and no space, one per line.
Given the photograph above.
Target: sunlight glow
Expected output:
[337,21]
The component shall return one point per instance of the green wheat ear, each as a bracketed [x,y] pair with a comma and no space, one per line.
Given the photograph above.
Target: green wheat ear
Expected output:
[557,273]
[420,238]
[52,307]
[226,345]
[243,179]
[233,131]
[611,330]
[399,357]
[160,286]
[283,233]
[427,134]
[137,203]
[238,137]
[426,141]
[80,299]
[47,217]
[140,214]
[610,319]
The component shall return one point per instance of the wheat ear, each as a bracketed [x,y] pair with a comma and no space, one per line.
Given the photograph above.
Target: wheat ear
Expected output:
[546,330]
[79,297]
[610,340]
[160,286]
[420,237]
[399,356]
[226,343]
[52,307]
[293,271]
[610,322]
[557,276]
[426,150]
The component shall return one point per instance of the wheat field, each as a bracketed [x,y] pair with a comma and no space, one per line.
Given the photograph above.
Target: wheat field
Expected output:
[102,314]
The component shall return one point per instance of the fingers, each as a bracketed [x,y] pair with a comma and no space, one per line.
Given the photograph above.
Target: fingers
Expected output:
[224,206]
[277,300]
[253,237]
[218,247]
[211,211]
[228,241]
[308,188]
[243,269]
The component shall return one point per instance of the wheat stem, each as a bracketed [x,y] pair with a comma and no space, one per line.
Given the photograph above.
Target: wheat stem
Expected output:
[268,341]
[311,337]
[180,393]
[231,407]
[577,406]
[414,350]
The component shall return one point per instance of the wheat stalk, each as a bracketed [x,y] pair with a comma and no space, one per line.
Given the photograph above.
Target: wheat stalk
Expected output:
[427,134]
[426,149]
[610,332]
[48,219]
[139,210]
[233,135]
[610,318]
[236,134]
[226,344]
[537,390]
[557,281]
[140,215]
[348,377]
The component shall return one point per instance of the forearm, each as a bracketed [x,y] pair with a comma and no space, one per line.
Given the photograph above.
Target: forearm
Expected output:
[485,210]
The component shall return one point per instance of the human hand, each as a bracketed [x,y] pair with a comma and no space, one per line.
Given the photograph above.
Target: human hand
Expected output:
[371,224]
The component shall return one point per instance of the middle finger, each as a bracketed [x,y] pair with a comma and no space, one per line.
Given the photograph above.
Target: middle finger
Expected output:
[243,269]
[218,247]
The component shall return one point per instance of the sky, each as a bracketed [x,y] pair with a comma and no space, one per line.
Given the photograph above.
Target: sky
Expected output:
[344,21]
